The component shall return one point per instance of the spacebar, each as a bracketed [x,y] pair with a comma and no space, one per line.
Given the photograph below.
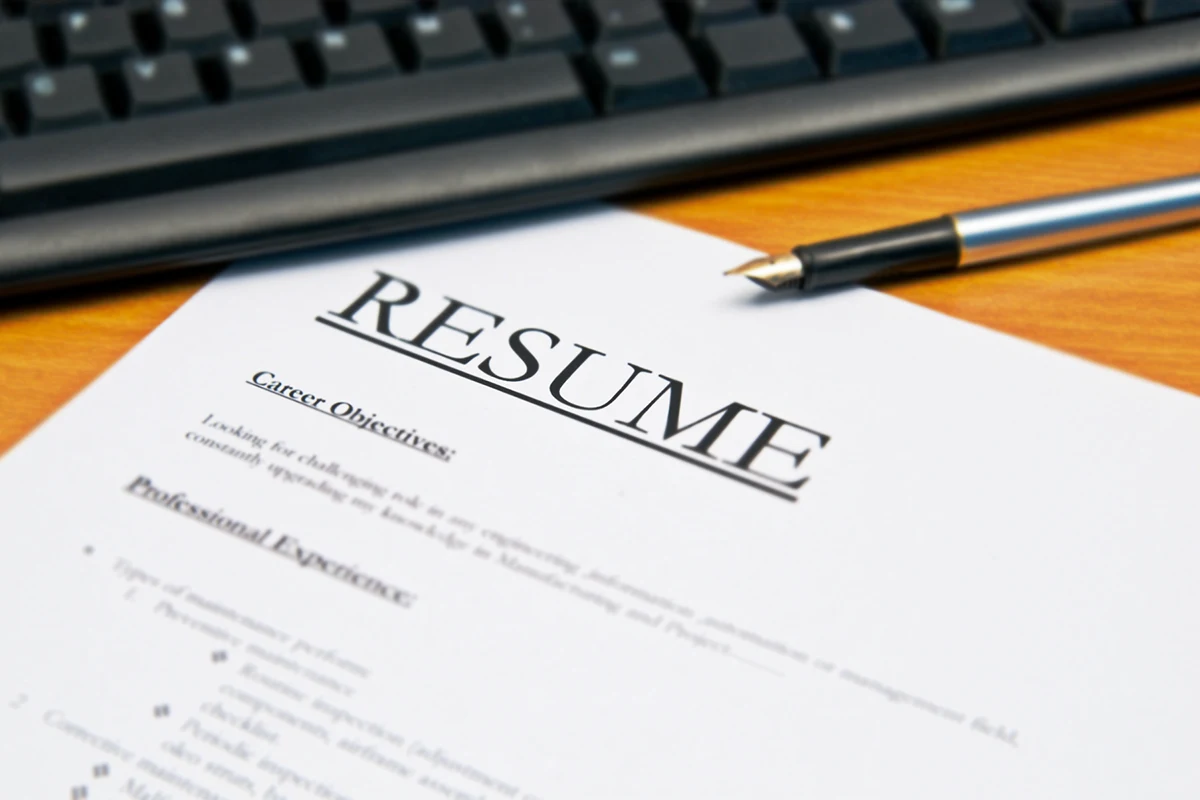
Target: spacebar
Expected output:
[223,143]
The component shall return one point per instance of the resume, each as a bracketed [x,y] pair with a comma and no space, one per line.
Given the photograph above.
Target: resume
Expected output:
[554,510]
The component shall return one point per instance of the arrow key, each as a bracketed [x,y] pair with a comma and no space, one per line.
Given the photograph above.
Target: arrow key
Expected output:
[166,83]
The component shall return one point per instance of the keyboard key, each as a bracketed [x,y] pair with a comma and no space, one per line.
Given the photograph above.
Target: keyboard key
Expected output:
[529,26]
[698,14]
[648,71]
[44,12]
[261,68]
[756,54]
[100,36]
[166,83]
[356,53]
[290,18]
[1157,10]
[382,11]
[866,36]
[202,25]
[962,27]
[613,19]
[238,140]
[64,98]
[446,39]
[18,49]
[1078,17]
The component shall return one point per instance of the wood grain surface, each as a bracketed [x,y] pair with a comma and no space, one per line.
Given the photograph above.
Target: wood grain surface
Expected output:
[1134,305]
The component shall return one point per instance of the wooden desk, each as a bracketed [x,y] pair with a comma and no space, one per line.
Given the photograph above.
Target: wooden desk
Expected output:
[1134,306]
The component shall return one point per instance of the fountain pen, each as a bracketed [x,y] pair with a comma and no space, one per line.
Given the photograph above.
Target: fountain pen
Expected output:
[970,238]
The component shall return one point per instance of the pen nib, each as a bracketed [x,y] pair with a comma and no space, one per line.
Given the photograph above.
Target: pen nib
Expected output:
[772,272]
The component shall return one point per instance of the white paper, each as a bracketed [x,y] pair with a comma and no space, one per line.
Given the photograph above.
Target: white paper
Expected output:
[978,581]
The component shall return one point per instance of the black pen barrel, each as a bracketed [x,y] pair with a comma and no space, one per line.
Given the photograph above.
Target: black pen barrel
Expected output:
[905,250]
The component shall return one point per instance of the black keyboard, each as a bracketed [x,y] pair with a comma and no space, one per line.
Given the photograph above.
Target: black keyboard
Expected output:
[149,133]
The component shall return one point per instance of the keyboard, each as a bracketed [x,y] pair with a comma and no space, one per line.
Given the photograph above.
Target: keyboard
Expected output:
[148,134]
